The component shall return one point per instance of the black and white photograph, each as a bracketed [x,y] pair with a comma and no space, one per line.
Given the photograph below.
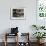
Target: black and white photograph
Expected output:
[17,13]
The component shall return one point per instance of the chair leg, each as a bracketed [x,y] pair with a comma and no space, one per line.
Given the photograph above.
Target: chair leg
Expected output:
[5,43]
[5,40]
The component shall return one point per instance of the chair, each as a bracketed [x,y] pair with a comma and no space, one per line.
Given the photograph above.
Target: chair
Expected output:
[7,35]
[26,41]
[14,32]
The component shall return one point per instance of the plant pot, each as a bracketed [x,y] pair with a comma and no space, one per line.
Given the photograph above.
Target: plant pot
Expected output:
[40,40]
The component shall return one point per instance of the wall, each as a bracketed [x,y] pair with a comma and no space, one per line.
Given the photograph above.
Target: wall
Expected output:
[24,25]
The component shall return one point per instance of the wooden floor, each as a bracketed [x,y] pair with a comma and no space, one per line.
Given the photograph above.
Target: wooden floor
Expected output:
[13,44]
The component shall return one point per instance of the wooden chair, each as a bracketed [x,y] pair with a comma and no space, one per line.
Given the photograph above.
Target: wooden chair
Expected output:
[25,36]
[8,34]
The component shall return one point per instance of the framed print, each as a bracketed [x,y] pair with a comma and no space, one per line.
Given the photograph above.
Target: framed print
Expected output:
[17,13]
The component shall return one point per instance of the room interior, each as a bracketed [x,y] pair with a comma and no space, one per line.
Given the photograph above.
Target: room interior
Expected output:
[22,23]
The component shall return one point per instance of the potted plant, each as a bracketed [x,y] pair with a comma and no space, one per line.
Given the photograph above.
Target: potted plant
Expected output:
[39,35]
[42,27]
[38,27]
[34,26]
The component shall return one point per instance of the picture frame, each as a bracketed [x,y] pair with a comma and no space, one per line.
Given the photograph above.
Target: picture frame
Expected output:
[17,13]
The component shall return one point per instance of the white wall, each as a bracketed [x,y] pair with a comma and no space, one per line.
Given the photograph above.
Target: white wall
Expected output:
[24,25]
